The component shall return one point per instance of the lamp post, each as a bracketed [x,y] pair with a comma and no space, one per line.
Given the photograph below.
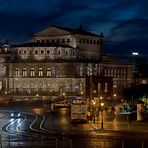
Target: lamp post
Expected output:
[94,108]
[64,95]
[102,104]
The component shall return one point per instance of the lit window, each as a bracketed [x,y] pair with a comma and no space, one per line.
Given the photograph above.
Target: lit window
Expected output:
[17,72]
[49,72]
[144,81]
[40,72]
[24,72]
[32,72]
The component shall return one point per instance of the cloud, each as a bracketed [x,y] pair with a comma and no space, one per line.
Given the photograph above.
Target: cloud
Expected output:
[128,36]
[118,20]
[127,30]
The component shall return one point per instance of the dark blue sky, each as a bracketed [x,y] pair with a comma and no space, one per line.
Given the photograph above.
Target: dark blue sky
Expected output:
[123,22]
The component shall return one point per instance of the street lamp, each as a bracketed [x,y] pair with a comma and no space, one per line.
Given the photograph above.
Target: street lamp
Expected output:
[114,95]
[64,95]
[102,104]
[94,108]
[81,92]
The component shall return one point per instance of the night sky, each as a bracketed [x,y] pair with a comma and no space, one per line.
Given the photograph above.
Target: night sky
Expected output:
[123,22]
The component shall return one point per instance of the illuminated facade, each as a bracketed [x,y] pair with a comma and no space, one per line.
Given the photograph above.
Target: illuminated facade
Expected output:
[60,60]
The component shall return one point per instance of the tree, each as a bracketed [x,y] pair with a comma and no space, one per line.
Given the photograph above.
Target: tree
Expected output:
[135,92]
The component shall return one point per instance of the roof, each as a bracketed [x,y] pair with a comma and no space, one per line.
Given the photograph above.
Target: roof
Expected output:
[79,31]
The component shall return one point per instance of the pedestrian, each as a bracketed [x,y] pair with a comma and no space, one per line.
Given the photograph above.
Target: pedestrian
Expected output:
[113,110]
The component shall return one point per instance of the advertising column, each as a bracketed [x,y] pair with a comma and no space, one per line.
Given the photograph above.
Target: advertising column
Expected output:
[140,110]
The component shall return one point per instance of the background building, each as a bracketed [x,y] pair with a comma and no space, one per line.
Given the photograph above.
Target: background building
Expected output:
[61,62]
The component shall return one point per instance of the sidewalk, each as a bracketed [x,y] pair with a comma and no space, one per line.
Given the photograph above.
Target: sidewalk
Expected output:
[118,123]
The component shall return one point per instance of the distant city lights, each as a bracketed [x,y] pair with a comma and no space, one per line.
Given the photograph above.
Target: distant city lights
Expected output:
[135,53]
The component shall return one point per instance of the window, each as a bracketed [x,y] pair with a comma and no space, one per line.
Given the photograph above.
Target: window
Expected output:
[106,87]
[20,52]
[80,41]
[57,40]
[87,41]
[83,40]
[25,52]
[42,41]
[59,52]
[40,72]
[36,52]
[47,41]
[68,40]
[143,81]
[81,71]
[66,53]
[52,40]
[42,51]
[63,40]
[32,72]
[94,41]
[17,72]
[98,42]
[37,41]
[73,53]
[24,72]
[49,72]
[48,51]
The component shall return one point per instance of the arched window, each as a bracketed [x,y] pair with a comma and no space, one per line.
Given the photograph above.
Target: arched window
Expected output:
[40,72]
[24,72]
[17,72]
[32,72]
[49,73]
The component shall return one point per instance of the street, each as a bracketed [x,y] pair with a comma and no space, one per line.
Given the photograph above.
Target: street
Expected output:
[44,128]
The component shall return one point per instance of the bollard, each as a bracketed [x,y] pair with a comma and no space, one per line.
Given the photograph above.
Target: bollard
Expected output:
[56,142]
[9,141]
[30,139]
[122,143]
[18,140]
[70,143]
[42,140]
[142,144]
